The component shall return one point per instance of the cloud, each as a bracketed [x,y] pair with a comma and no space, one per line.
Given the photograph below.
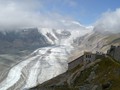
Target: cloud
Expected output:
[17,14]
[110,21]
[28,13]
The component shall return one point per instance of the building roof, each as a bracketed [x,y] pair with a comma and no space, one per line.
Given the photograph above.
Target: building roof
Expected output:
[85,53]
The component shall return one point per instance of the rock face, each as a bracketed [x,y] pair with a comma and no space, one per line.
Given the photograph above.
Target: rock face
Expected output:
[18,40]
[114,51]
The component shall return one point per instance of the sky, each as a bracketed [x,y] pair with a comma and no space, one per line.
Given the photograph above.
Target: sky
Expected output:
[57,13]
[84,11]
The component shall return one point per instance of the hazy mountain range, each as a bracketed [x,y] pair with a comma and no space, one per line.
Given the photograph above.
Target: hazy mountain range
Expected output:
[32,56]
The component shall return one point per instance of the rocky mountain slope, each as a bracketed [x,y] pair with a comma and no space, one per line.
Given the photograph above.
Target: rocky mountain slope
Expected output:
[103,74]
[13,41]
[95,41]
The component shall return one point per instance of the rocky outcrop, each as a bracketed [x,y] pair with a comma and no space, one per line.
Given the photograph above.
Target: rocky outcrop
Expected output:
[114,51]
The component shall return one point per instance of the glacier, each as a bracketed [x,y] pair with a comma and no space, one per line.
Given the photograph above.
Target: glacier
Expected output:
[44,63]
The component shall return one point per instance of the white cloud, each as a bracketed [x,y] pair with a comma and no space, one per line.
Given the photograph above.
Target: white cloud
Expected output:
[28,13]
[16,14]
[110,21]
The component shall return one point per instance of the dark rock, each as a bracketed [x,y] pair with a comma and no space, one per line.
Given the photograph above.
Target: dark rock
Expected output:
[106,85]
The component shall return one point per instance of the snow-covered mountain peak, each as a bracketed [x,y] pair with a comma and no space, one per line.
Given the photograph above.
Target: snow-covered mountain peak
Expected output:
[63,36]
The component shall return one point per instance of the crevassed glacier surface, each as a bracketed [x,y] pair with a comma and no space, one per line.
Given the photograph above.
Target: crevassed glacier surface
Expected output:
[44,63]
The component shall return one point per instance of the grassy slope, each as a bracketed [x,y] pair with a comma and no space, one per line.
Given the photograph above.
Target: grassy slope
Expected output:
[107,70]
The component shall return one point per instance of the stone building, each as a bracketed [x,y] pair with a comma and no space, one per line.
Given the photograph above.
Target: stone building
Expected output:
[89,57]
[114,51]
[76,62]
[86,58]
